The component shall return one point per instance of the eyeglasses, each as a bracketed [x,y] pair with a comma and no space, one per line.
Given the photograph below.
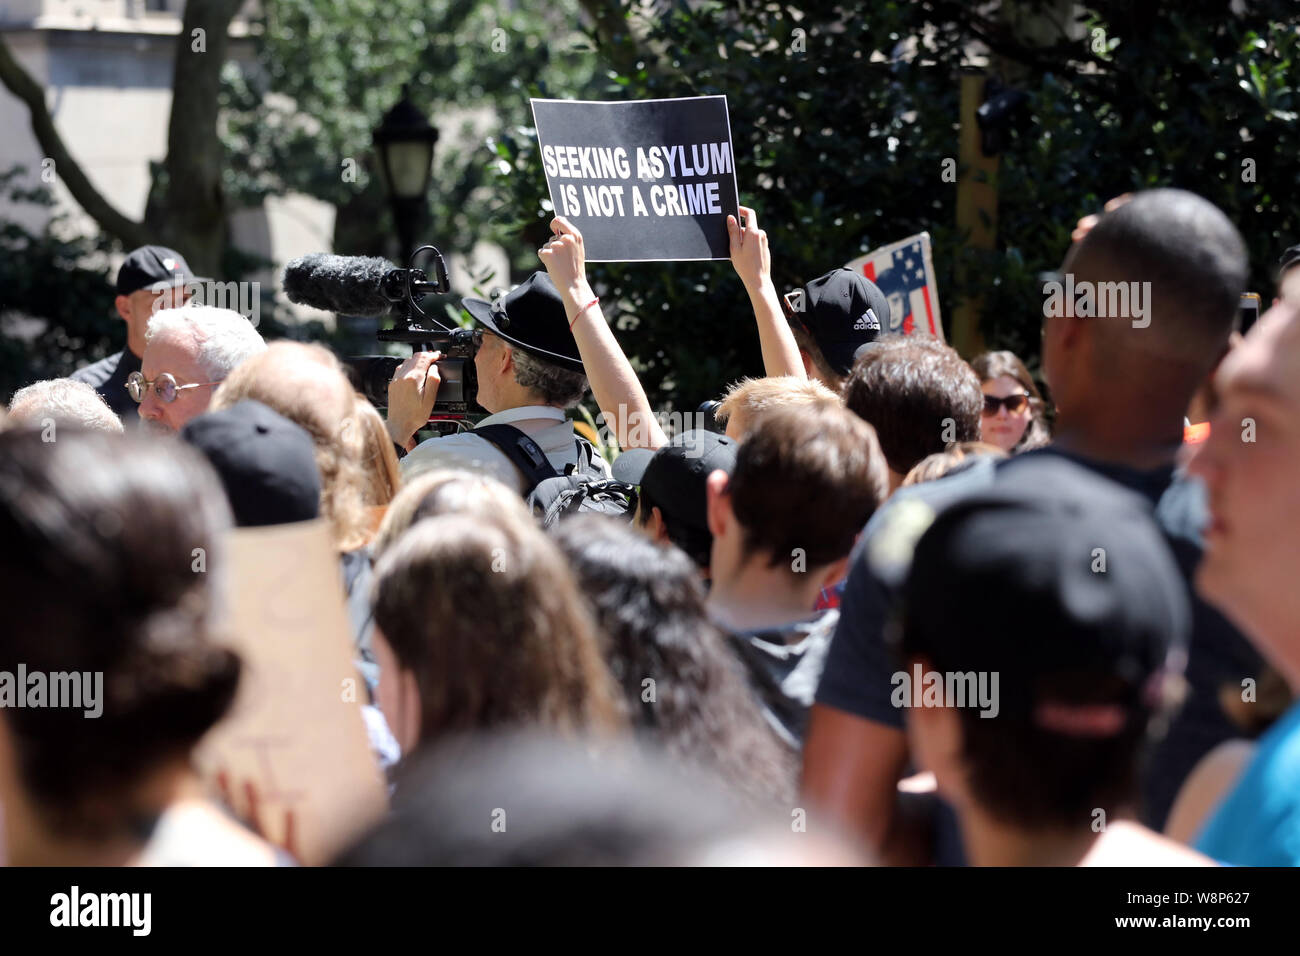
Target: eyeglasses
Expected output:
[1014,404]
[164,386]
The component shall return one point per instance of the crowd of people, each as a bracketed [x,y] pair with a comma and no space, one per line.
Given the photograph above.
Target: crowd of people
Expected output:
[898,608]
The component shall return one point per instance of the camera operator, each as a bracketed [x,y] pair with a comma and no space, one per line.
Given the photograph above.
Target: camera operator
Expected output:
[536,351]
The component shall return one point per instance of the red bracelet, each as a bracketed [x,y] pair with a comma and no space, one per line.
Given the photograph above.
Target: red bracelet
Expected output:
[582,310]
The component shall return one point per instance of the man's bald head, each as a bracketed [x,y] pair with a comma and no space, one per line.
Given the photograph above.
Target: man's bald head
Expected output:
[1196,263]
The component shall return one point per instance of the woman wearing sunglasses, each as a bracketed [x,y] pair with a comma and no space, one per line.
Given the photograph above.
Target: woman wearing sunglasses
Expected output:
[1013,409]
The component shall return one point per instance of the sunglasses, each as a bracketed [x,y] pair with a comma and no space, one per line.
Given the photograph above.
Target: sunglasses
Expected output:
[1014,404]
[164,386]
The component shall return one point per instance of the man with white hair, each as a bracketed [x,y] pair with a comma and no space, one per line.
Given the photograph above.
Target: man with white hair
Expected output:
[63,401]
[187,353]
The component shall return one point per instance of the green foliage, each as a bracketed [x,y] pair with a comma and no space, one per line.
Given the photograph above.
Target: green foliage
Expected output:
[56,303]
[328,72]
[840,132]
[841,119]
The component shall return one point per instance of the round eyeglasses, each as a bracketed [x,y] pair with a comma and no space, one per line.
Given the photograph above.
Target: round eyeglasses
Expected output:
[164,386]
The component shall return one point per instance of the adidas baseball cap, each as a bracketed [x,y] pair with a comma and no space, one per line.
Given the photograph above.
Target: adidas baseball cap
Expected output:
[842,311]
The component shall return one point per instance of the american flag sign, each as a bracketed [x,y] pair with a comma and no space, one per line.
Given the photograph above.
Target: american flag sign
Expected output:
[904,271]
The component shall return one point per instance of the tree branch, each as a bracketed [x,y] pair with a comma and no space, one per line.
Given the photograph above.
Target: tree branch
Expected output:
[20,83]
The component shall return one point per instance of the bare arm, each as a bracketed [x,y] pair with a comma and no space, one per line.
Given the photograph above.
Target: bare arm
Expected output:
[753,263]
[851,769]
[614,382]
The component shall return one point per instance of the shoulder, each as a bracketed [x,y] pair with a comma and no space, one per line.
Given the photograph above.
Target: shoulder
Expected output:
[1128,844]
[1205,787]
[1258,822]
[465,450]
[97,373]
[196,833]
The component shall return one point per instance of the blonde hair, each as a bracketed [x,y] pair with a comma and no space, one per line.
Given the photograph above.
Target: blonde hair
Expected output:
[306,384]
[751,397]
[380,470]
[940,463]
[445,491]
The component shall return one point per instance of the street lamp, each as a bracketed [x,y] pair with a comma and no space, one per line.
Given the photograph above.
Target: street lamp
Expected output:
[405,143]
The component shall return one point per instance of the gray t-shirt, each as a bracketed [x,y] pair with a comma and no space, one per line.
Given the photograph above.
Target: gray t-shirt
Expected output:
[785,666]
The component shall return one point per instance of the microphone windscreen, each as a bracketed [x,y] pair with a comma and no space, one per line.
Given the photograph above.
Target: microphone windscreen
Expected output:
[346,284]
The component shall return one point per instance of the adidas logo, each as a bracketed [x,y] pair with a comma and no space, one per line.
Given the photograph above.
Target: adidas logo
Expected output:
[867,322]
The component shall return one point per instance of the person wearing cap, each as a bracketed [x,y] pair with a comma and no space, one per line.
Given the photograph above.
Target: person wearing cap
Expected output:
[536,351]
[1033,719]
[834,318]
[672,505]
[266,463]
[151,278]
[1121,392]
[783,523]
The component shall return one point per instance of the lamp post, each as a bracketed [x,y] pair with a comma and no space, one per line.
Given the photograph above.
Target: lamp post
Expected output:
[405,142]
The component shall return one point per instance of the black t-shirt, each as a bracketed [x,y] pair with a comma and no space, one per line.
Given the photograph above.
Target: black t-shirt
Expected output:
[108,377]
[859,665]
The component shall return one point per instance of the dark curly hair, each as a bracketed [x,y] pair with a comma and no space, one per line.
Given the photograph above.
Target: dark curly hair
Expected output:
[649,605]
[99,535]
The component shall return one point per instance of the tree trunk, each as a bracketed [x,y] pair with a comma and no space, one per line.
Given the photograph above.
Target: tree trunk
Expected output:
[192,213]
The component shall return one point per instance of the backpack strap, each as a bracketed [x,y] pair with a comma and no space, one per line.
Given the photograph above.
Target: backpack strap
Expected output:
[524,453]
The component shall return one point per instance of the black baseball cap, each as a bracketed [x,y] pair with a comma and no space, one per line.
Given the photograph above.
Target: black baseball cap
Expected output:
[153,267]
[532,317]
[843,311]
[675,475]
[1058,580]
[266,463]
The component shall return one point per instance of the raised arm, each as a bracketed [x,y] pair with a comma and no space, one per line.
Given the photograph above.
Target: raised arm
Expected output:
[614,382]
[753,263]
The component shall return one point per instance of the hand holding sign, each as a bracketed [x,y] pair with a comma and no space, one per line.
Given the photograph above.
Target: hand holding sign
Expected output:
[565,259]
[749,252]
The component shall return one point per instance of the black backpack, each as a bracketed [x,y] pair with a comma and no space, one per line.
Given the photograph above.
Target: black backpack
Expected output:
[584,488]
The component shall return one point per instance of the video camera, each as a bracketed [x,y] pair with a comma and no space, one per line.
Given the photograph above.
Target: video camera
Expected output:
[363,286]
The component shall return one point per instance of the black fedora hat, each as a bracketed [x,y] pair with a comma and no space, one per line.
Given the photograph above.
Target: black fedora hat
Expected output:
[531,317]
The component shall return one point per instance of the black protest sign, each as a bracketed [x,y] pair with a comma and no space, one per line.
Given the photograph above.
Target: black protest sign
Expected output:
[645,180]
